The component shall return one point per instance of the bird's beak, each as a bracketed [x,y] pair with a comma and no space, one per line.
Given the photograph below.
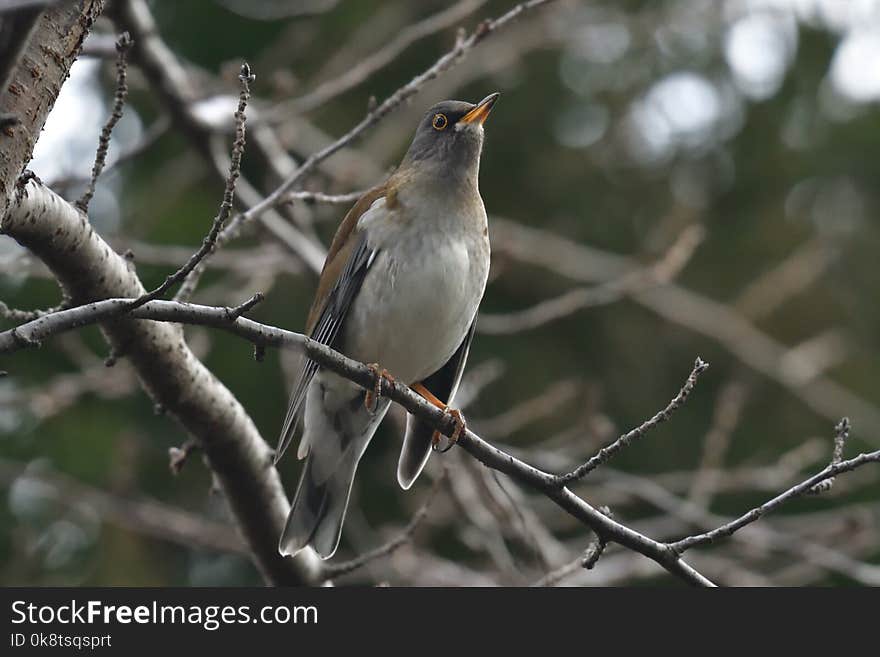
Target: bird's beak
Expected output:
[481,110]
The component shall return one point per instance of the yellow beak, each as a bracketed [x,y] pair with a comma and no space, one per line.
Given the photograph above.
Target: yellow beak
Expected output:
[481,110]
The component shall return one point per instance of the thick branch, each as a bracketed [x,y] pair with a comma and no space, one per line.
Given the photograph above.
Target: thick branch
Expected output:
[363,376]
[88,269]
[33,84]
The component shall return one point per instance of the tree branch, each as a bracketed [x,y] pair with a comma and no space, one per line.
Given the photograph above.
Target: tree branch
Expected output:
[174,378]
[666,554]
[245,78]
[372,63]
[607,453]
[31,87]
[754,514]
[263,335]
[691,310]
[123,44]
[447,61]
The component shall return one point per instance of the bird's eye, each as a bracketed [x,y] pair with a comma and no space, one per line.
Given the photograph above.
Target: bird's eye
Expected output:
[439,122]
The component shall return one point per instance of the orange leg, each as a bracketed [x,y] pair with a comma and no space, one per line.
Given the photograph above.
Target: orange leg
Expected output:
[371,398]
[454,412]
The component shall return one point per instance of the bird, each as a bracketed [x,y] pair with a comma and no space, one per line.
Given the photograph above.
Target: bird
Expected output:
[399,290]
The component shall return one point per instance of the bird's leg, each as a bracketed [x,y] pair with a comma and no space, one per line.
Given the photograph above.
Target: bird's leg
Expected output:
[456,415]
[371,397]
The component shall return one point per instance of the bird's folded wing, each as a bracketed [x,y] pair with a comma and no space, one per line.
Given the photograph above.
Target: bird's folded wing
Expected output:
[348,260]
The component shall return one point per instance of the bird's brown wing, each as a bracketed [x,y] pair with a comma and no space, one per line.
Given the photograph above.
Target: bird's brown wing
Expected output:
[344,269]
[442,384]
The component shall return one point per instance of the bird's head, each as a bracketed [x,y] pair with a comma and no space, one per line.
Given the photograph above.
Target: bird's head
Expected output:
[449,139]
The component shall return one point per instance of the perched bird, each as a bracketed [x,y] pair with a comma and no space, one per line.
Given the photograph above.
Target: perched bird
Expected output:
[400,288]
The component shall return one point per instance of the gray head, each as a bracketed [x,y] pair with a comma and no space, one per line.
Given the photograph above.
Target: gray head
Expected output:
[449,139]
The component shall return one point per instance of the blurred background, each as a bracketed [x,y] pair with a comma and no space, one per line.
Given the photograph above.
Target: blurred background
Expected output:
[665,180]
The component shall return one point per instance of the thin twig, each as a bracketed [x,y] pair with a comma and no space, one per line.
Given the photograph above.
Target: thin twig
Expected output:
[661,272]
[841,433]
[795,491]
[149,137]
[234,313]
[587,560]
[684,307]
[369,65]
[728,408]
[178,456]
[123,45]
[593,553]
[444,63]
[555,576]
[18,315]
[245,78]
[595,550]
[607,453]
[321,197]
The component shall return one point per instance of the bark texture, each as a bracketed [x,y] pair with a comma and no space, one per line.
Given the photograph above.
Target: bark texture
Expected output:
[34,80]
[88,269]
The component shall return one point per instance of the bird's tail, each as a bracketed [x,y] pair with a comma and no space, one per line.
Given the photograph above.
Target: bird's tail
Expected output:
[334,451]
[415,452]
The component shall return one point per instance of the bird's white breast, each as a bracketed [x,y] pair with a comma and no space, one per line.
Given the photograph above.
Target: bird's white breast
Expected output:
[422,291]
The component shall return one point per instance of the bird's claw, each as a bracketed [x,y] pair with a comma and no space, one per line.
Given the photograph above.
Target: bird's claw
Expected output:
[371,398]
[460,426]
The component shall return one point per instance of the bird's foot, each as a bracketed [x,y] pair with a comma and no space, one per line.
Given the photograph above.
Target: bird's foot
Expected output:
[371,398]
[460,426]
[437,437]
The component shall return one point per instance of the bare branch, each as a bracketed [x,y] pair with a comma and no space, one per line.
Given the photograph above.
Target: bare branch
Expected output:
[568,303]
[447,61]
[607,453]
[552,486]
[728,409]
[149,137]
[369,65]
[123,45]
[841,433]
[18,315]
[234,313]
[245,78]
[362,375]
[587,560]
[802,488]
[689,309]
[594,553]
[171,374]
[28,92]
[178,456]
[178,91]
[320,197]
